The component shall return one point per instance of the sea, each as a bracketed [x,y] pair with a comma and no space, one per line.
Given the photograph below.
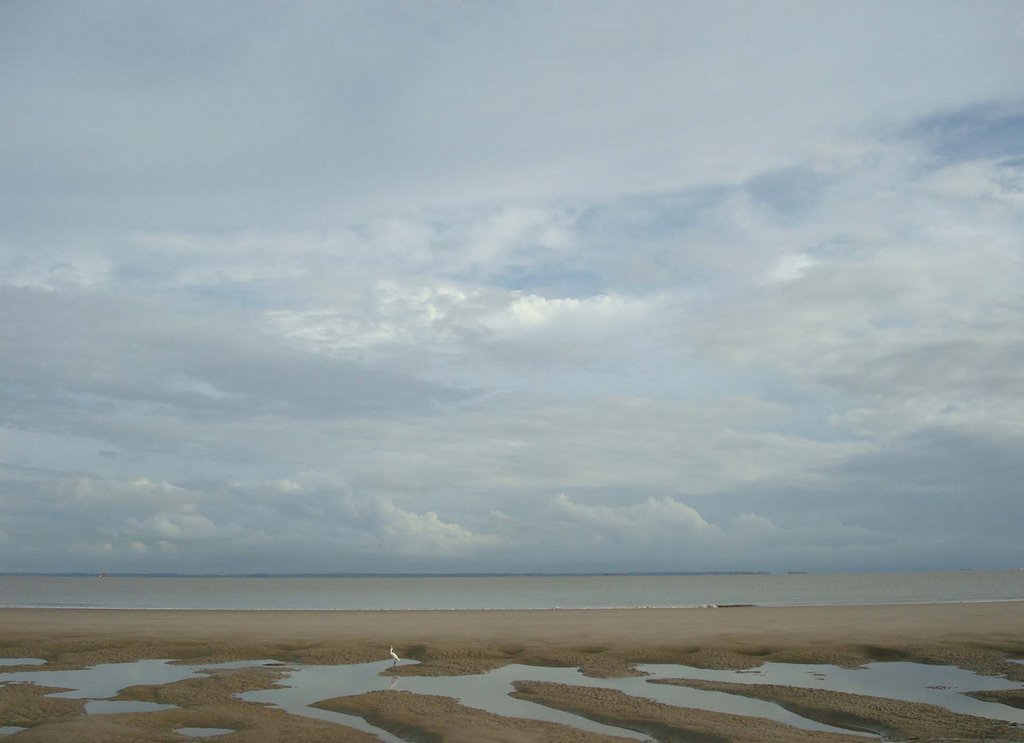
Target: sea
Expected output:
[447,592]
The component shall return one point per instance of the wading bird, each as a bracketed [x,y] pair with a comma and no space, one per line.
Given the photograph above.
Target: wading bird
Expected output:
[394,655]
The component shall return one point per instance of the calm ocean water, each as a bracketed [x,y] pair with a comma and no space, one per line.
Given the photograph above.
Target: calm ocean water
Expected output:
[509,592]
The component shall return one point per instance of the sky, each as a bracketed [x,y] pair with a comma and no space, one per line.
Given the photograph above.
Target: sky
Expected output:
[511,286]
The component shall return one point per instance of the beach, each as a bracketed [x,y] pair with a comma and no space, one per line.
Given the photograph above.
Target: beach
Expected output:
[981,637]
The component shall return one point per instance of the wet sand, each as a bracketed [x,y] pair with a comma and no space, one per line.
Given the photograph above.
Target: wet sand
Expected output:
[979,637]
[895,719]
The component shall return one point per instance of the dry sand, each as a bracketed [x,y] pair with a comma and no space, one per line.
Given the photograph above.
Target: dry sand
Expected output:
[979,637]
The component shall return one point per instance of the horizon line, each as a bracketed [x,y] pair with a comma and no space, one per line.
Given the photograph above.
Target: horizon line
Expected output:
[494,574]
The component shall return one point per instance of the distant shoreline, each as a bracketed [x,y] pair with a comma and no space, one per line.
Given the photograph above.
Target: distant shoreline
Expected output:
[394,575]
[485,609]
[512,592]
[501,574]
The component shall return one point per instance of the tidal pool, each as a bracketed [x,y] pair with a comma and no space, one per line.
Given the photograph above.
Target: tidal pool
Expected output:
[943,686]
[303,685]
[489,691]
[98,683]
[106,679]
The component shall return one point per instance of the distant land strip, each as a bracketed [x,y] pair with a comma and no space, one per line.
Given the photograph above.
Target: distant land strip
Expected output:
[390,575]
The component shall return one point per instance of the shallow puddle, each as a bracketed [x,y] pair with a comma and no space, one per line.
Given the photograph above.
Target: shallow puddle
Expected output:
[307,684]
[104,680]
[107,679]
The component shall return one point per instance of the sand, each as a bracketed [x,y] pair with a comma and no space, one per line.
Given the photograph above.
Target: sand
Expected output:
[981,637]
[428,717]
[662,721]
[893,718]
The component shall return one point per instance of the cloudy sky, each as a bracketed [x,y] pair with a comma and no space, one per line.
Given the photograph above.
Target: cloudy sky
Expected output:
[517,286]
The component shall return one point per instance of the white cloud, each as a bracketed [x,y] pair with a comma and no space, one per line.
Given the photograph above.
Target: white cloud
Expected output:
[529,313]
[649,519]
[170,526]
[138,493]
[778,264]
[513,237]
[791,266]
[408,533]
[916,322]
[752,525]
[423,326]
[978,181]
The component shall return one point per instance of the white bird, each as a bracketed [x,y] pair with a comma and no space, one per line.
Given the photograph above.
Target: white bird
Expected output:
[394,655]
